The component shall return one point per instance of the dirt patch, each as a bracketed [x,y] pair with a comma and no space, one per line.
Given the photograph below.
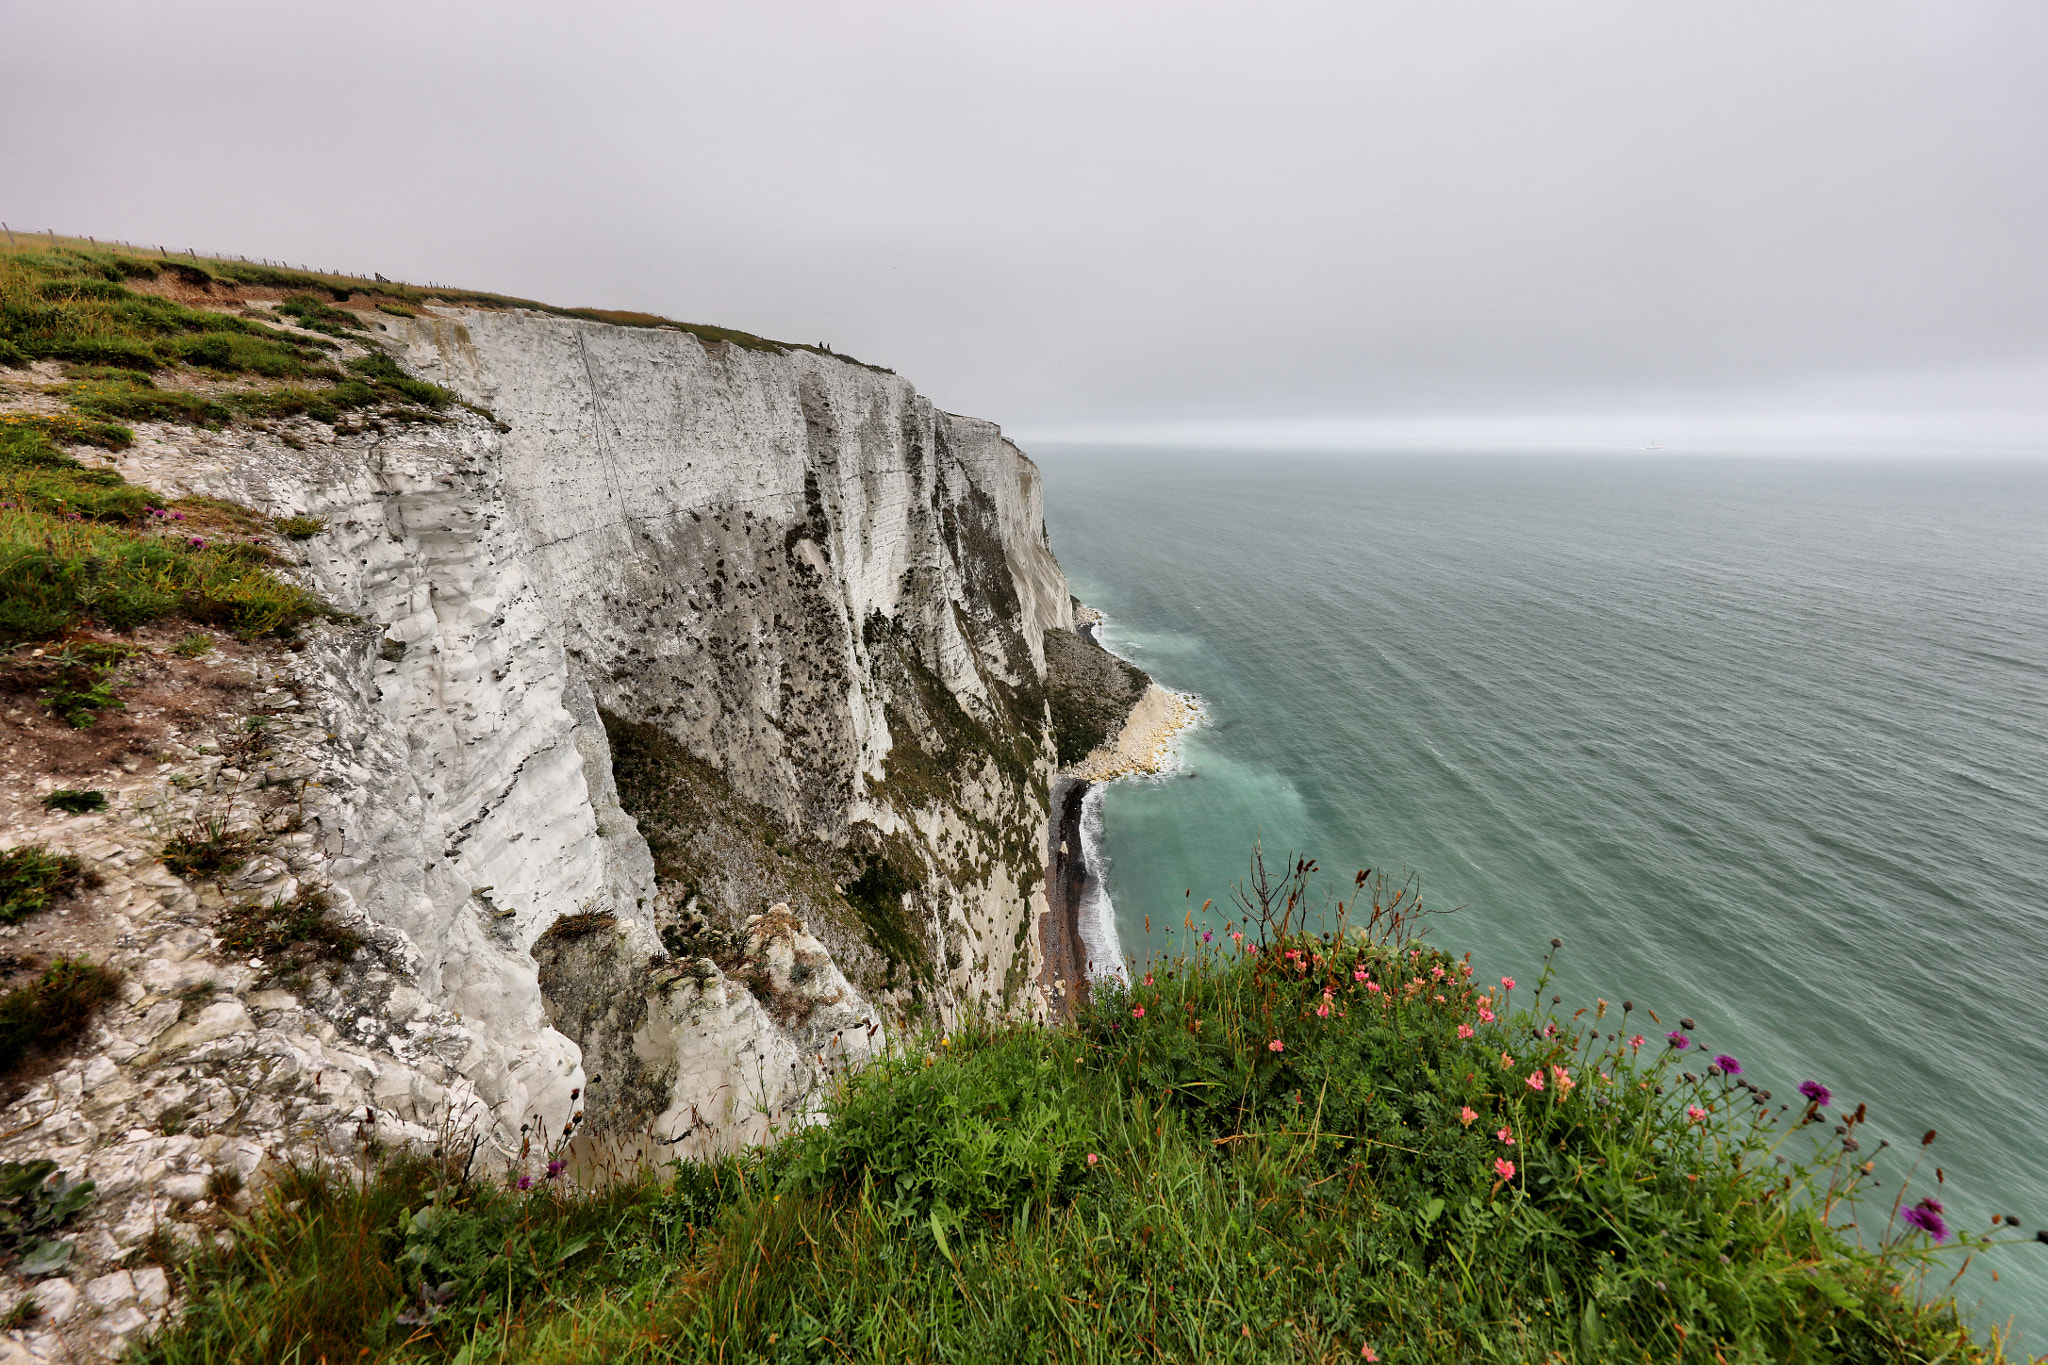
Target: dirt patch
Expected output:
[160,696]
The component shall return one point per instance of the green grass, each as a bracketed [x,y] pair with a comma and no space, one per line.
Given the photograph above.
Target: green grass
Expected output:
[31,879]
[1156,1182]
[80,546]
[51,1011]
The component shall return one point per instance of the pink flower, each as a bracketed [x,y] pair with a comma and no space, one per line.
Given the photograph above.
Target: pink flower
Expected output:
[1148,978]
[1237,937]
[1437,971]
[1373,986]
[1506,1061]
[1369,1355]
[1486,1016]
[1508,982]
[1465,1030]
[1276,1046]
[1562,1077]
[1358,973]
[1092,1158]
[1506,1135]
[1323,1010]
[1467,1115]
[1138,1013]
[1504,1168]
[1695,1113]
[1636,1041]
[1535,1080]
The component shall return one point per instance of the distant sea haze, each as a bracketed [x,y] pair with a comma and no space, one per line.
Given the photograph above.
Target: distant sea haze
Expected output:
[1764,742]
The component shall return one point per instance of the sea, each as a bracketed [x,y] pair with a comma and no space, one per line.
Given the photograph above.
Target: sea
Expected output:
[1763,741]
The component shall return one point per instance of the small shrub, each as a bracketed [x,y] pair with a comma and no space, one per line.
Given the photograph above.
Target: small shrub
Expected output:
[52,1010]
[397,310]
[301,528]
[208,848]
[82,684]
[32,877]
[290,936]
[75,802]
[35,1200]
[193,646]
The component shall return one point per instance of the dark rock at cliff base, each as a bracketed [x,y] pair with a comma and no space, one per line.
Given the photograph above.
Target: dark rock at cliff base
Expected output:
[1091,690]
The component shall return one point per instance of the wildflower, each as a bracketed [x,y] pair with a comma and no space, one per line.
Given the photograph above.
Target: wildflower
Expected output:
[1440,1000]
[1437,972]
[1323,1010]
[196,543]
[1486,1016]
[1506,1061]
[1926,1216]
[1206,936]
[1817,1093]
[1678,1040]
[1358,973]
[1368,1355]
[1373,986]
[1564,1080]
[1535,1080]
[556,1167]
[1138,1012]
[1637,1041]
[1695,1113]
[1729,1066]
[1507,983]
[1467,1114]
[1148,978]
[1276,1046]
[1506,1135]
[525,1182]
[1550,1030]
[1237,937]
[1464,1030]
[1093,1159]
[1504,1168]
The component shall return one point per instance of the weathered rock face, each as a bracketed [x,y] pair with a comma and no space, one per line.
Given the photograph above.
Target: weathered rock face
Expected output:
[828,599]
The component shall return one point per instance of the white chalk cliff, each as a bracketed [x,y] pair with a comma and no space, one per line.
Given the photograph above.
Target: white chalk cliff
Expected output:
[825,593]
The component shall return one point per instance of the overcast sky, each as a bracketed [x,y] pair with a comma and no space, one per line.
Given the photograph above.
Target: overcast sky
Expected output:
[1168,218]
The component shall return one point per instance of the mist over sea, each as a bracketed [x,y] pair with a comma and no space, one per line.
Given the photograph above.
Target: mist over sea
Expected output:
[1764,742]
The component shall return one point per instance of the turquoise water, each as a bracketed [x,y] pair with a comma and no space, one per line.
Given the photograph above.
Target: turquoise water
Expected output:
[1765,743]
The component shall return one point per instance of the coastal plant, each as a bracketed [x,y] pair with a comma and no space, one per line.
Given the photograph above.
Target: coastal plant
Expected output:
[74,802]
[208,847]
[37,1199]
[52,1010]
[1316,1141]
[289,935]
[32,877]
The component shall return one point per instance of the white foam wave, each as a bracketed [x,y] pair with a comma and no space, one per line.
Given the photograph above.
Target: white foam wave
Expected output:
[1099,942]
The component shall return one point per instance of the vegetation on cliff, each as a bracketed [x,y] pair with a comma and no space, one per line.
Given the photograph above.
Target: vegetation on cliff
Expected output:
[1091,691]
[1288,1146]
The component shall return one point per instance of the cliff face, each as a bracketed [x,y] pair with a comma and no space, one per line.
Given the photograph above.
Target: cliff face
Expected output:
[809,608]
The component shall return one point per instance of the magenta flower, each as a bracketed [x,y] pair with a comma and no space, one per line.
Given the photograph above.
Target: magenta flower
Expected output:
[1729,1066]
[1678,1040]
[1816,1092]
[525,1182]
[1206,936]
[1276,1046]
[555,1168]
[1926,1216]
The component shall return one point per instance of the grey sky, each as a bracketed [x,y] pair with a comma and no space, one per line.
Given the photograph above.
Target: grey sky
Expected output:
[1068,217]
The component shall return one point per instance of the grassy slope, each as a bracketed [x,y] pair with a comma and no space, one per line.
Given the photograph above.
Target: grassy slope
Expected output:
[1157,1181]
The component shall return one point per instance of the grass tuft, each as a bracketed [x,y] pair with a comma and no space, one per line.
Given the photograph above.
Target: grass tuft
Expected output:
[32,877]
[51,1011]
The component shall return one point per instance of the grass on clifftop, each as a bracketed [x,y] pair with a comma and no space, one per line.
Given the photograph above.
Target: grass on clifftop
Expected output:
[1294,1148]
[80,546]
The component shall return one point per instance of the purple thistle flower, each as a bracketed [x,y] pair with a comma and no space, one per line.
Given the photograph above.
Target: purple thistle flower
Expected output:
[525,1182]
[1729,1066]
[1928,1220]
[1206,936]
[555,1168]
[1678,1040]
[1818,1093]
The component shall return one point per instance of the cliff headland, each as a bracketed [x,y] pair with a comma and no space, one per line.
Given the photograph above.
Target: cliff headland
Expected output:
[541,833]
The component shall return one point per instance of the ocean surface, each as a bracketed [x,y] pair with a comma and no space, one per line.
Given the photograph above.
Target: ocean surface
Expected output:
[1764,742]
